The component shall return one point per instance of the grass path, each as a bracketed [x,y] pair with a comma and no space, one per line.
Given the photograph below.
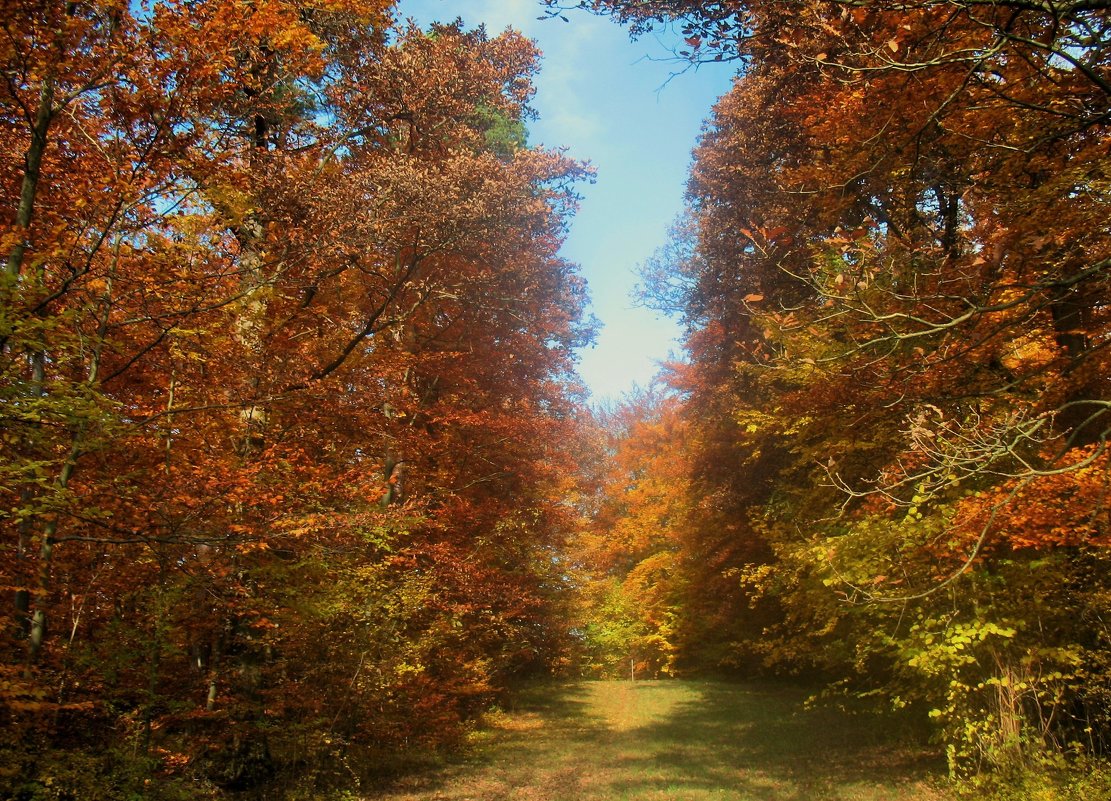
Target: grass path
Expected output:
[681,741]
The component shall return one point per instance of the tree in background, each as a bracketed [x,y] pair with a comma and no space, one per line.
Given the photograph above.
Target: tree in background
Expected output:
[629,551]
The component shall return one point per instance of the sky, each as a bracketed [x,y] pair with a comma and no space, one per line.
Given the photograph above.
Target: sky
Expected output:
[609,101]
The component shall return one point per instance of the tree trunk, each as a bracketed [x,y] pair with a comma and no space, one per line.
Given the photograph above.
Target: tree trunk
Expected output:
[32,161]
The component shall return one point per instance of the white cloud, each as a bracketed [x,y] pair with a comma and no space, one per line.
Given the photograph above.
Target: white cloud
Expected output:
[501,14]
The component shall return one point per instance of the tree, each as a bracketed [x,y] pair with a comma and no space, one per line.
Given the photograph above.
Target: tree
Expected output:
[263,430]
[629,554]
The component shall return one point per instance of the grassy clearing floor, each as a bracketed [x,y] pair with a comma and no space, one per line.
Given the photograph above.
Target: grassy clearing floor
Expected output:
[681,741]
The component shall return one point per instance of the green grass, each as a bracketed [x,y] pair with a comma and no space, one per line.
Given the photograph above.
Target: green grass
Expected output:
[682,741]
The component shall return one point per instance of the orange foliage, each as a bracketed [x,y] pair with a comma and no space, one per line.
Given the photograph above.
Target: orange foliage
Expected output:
[286,377]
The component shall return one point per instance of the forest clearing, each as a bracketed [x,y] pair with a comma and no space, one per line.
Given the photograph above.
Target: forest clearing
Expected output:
[683,741]
[299,479]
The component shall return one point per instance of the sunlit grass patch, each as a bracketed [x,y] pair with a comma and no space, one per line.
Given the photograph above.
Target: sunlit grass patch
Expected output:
[683,741]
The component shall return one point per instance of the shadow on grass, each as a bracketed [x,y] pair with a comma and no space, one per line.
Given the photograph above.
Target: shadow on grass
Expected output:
[760,742]
[685,741]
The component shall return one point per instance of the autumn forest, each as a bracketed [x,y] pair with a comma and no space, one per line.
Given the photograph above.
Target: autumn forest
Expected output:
[297,477]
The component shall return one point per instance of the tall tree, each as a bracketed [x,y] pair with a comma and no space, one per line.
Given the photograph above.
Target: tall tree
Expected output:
[286,368]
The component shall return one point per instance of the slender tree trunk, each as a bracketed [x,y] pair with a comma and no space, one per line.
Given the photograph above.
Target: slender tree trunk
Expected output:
[32,158]
[213,672]
[46,556]
[1071,315]
[38,626]
[32,161]
[32,171]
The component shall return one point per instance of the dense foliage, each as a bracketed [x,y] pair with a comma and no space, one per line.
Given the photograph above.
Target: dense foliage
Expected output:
[295,477]
[284,390]
[894,276]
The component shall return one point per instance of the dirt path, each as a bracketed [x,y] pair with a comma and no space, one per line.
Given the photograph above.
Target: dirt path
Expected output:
[682,741]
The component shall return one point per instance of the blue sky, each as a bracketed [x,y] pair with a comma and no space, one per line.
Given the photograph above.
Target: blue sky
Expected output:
[604,98]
